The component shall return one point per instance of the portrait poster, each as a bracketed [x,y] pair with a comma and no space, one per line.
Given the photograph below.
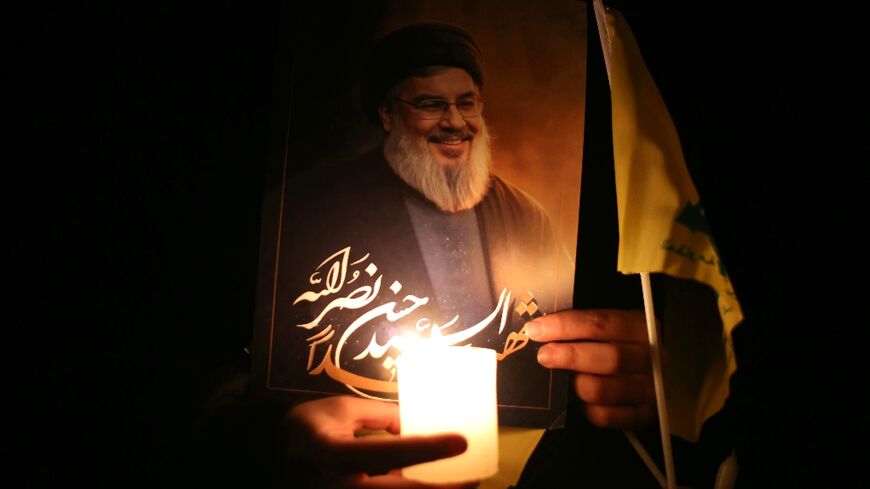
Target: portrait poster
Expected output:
[355,258]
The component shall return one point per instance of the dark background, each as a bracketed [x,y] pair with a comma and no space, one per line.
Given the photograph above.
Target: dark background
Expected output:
[133,220]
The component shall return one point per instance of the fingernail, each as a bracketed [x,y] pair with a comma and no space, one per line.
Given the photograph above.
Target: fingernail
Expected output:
[534,328]
[545,356]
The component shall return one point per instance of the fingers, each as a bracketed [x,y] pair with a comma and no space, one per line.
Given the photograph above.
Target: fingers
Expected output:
[395,481]
[391,479]
[615,390]
[378,455]
[374,415]
[617,402]
[621,417]
[323,431]
[342,416]
[593,324]
[596,358]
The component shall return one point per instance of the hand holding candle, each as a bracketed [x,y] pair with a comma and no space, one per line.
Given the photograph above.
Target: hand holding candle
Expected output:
[323,433]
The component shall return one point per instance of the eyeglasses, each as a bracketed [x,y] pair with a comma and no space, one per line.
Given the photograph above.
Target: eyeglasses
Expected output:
[436,108]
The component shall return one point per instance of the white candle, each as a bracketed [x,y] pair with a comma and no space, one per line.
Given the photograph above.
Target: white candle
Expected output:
[450,389]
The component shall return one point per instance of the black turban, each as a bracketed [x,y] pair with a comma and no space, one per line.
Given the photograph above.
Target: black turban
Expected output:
[404,51]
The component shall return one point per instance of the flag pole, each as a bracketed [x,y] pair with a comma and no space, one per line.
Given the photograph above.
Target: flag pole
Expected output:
[661,403]
[652,331]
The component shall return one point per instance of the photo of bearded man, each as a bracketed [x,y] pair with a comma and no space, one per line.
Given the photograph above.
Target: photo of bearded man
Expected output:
[420,226]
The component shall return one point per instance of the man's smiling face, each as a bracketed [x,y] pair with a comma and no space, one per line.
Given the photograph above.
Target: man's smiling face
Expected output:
[450,137]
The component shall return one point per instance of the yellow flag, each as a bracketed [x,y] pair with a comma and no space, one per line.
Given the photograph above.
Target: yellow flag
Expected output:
[662,228]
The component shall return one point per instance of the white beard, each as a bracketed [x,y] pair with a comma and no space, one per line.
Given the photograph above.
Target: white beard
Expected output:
[452,189]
